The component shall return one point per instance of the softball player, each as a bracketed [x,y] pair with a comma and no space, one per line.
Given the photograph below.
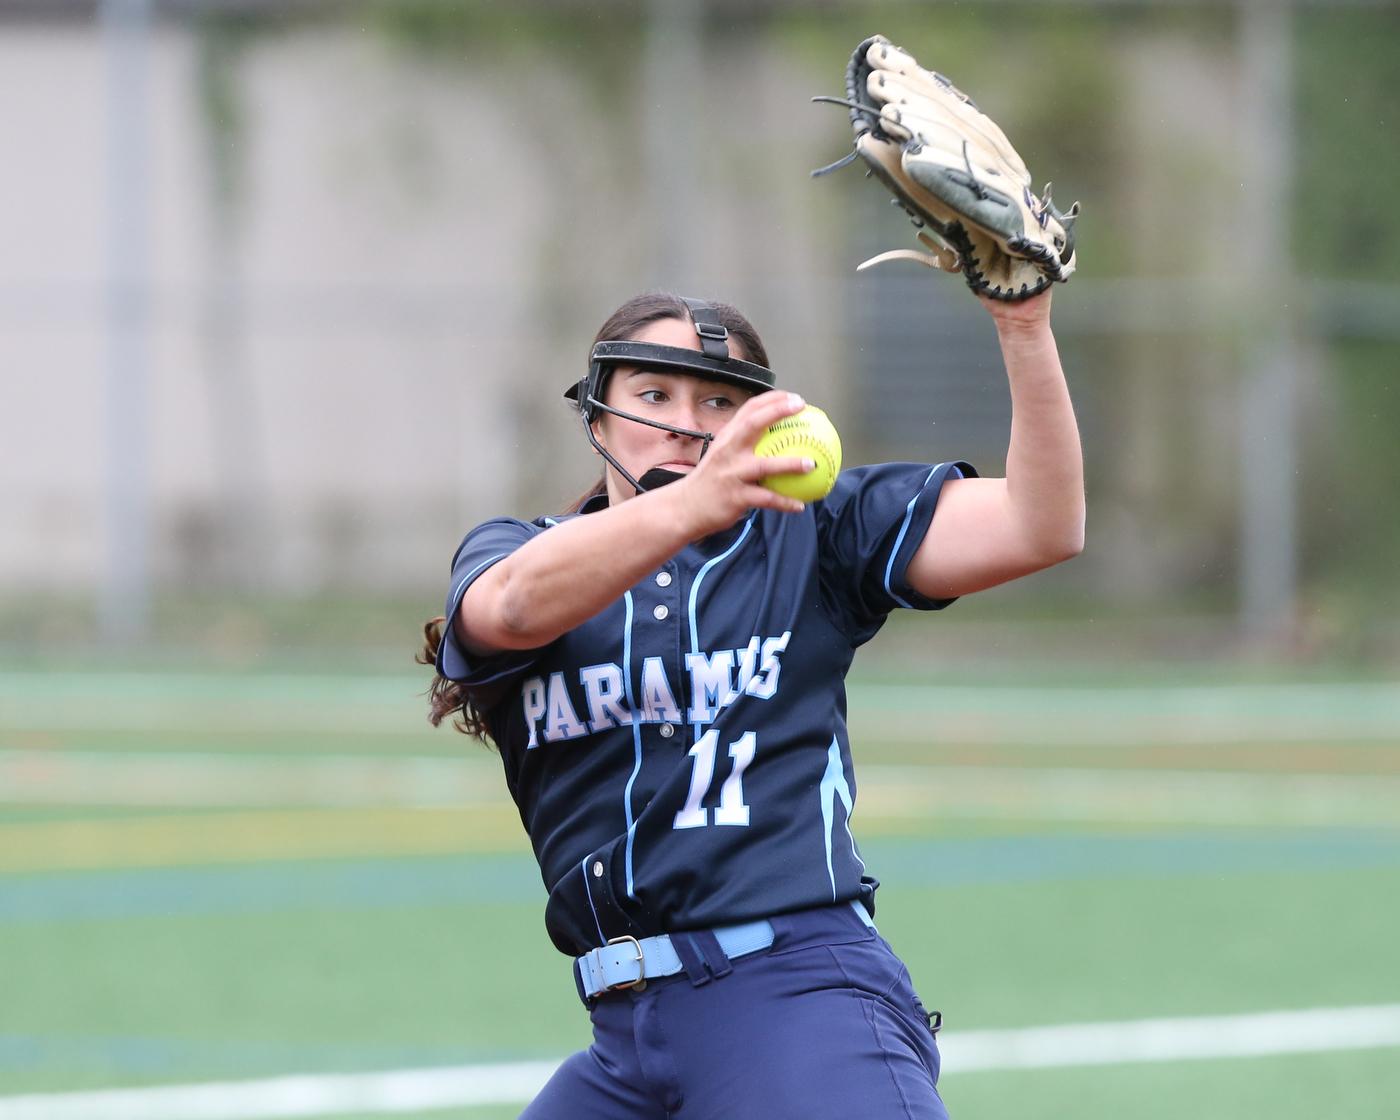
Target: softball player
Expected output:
[662,671]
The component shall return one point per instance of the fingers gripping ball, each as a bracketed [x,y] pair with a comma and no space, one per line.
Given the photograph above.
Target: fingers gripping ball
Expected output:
[808,435]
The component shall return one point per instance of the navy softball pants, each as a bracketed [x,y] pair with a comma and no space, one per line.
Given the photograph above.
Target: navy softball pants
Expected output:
[823,1023]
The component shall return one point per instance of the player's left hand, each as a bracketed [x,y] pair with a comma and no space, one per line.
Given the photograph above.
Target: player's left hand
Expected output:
[954,171]
[1025,314]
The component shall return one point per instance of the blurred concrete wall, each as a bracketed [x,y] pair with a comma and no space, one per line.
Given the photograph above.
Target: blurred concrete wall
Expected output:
[363,352]
[378,260]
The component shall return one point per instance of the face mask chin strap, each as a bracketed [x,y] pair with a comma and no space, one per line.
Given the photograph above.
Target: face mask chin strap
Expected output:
[593,402]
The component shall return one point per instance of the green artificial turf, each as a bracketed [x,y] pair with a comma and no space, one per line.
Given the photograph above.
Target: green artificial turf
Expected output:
[156,999]
[379,988]
[1359,1085]
[475,984]
[1023,954]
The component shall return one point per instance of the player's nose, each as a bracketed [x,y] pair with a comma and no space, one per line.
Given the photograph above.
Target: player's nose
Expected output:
[687,415]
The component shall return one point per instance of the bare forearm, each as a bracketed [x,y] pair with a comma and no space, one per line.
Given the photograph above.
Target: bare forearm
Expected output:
[569,573]
[1044,462]
[987,531]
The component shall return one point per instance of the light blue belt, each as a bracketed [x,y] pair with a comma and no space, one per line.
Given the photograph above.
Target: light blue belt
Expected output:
[629,962]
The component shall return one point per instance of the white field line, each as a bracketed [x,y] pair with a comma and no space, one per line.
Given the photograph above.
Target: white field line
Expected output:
[200,780]
[197,702]
[1170,1040]
[1125,716]
[1044,716]
[408,1090]
[1076,1044]
[1071,729]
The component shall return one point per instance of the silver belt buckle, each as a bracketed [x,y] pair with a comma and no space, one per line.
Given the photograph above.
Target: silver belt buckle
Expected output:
[640,983]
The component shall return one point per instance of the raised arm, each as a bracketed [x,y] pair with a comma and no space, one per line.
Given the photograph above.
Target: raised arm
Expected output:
[986,531]
[567,574]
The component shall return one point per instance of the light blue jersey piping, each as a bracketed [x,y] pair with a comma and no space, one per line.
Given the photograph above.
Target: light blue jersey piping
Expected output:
[834,785]
[583,870]
[466,579]
[636,734]
[699,578]
[899,540]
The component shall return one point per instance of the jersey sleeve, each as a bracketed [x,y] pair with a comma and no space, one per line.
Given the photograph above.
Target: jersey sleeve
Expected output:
[869,528]
[484,546]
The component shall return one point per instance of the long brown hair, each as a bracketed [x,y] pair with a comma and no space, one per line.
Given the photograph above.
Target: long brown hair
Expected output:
[449,699]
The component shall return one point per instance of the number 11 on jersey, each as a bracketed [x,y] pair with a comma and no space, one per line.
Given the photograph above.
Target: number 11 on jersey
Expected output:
[732,809]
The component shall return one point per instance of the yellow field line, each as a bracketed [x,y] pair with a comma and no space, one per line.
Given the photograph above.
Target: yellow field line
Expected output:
[153,841]
[892,798]
[1128,796]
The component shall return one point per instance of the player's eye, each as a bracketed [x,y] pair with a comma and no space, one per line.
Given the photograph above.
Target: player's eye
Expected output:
[653,396]
[720,403]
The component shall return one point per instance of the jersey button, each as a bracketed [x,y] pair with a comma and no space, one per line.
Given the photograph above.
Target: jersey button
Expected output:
[667,730]
[661,611]
[663,579]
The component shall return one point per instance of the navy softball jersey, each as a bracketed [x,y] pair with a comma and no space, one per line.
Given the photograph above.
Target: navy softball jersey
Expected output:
[680,760]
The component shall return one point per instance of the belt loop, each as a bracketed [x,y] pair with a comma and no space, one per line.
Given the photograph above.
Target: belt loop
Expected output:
[716,959]
[702,956]
[588,1001]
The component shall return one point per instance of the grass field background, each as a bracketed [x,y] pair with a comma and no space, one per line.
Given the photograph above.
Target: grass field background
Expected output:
[208,876]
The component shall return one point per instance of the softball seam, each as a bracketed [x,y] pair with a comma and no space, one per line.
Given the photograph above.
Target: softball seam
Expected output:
[785,441]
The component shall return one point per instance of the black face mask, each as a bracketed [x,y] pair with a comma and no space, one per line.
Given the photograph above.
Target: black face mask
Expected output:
[712,361]
[656,478]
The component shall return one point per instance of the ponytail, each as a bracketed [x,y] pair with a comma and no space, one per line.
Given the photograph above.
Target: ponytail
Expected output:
[448,698]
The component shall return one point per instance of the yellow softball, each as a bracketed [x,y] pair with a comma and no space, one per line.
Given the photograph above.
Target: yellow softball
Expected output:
[808,435]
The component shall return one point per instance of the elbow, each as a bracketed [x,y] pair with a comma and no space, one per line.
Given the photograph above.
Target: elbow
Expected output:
[1068,541]
[1072,545]
[1066,544]
[495,613]
[526,617]
[514,625]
